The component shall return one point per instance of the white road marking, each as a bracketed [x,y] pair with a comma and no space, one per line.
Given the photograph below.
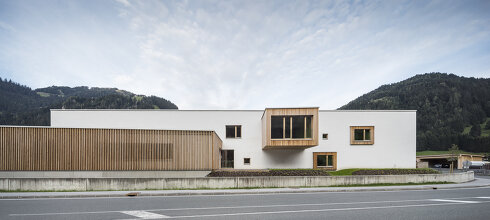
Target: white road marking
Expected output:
[315,210]
[248,194]
[236,207]
[144,215]
[450,200]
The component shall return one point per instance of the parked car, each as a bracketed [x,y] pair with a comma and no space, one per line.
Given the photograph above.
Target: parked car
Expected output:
[446,165]
[437,165]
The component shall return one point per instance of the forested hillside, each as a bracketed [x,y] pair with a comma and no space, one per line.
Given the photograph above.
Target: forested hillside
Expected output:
[450,109]
[20,105]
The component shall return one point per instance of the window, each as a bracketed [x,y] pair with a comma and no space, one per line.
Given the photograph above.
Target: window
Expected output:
[246,161]
[295,127]
[325,160]
[325,136]
[362,135]
[233,131]
[227,158]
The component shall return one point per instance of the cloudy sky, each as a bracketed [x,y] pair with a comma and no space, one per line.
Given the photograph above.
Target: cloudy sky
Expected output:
[241,54]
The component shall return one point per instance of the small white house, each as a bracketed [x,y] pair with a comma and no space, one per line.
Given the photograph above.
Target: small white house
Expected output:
[278,137]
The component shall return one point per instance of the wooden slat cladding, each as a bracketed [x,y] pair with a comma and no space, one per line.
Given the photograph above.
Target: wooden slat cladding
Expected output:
[268,143]
[46,149]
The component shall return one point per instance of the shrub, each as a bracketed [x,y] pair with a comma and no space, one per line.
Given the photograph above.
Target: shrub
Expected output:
[394,171]
[274,172]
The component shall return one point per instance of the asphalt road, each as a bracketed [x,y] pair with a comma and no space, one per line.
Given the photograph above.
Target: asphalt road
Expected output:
[468,203]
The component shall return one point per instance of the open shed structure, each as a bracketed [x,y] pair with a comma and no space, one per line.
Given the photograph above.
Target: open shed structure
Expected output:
[431,160]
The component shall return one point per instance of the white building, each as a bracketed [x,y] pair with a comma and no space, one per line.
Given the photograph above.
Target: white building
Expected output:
[278,137]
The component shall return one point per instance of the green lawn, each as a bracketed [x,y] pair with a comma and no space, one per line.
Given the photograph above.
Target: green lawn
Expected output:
[392,184]
[348,172]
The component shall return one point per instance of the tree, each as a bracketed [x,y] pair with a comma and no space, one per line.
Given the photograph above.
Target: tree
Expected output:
[454,153]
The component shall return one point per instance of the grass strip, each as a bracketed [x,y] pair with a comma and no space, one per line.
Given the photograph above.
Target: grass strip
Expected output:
[391,184]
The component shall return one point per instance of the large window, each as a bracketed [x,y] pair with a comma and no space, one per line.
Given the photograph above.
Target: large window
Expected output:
[233,131]
[227,158]
[286,127]
[362,135]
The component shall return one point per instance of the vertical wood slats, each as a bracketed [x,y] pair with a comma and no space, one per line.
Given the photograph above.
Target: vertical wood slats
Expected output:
[45,149]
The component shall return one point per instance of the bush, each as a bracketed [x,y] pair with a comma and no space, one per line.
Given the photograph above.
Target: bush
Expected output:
[394,171]
[275,172]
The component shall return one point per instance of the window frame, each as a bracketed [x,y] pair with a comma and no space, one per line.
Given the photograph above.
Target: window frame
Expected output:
[236,131]
[353,141]
[290,119]
[333,160]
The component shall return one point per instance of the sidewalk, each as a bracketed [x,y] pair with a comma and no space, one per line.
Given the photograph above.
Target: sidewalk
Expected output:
[478,182]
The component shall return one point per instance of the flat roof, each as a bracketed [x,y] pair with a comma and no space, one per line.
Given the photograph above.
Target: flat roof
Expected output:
[226,110]
[153,129]
[437,156]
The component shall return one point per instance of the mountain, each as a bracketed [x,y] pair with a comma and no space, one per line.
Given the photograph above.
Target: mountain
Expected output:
[20,105]
[450,109]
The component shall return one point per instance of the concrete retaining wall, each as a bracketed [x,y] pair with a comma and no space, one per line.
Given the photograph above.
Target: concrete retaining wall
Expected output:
[102,174]
[88,184]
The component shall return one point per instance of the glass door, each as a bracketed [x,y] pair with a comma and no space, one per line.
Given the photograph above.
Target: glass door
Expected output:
[227,158]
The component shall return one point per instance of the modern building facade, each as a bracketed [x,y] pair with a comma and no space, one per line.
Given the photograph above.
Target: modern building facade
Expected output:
[277,137]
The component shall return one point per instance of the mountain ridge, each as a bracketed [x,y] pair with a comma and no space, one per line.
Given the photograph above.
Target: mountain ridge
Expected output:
[20,105]
[447,105]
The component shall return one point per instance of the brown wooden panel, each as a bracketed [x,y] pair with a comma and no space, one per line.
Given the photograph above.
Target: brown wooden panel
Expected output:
[45,148]
[268,143]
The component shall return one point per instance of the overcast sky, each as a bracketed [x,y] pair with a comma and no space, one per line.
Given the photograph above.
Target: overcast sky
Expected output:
[241,54]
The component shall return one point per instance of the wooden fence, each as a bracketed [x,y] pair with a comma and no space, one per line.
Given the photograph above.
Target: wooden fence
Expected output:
[51,149]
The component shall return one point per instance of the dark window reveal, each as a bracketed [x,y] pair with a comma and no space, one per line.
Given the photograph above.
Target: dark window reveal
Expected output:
[233,131]
[321,160]
[296,127]
[362,135]
[227,158]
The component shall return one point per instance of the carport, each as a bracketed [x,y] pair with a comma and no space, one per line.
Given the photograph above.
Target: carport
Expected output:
[443,159]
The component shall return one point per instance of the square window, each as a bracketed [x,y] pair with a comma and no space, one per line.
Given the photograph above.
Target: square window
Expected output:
[233,131]
[246,161]
[362,135]
[325,160]
[325,136]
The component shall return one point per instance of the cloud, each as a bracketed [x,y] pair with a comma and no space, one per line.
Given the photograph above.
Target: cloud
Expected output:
[248,54]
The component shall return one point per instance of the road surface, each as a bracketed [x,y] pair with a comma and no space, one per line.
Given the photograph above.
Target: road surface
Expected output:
[467,203]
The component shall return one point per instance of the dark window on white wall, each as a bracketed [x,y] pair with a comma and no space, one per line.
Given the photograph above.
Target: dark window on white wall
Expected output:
[296,127]
[227,158]
[246,161]
[325,136]
[233,131]
[362,135]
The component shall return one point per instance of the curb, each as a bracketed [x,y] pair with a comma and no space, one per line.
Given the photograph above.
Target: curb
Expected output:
[123,194]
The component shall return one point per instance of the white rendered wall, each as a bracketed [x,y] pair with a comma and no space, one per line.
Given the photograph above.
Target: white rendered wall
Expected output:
[394,144]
